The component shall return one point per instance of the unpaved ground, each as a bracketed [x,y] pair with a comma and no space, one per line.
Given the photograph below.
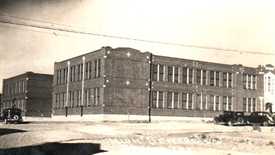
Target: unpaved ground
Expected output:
[182,137]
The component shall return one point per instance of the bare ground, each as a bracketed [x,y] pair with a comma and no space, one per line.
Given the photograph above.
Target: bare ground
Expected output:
[174,137]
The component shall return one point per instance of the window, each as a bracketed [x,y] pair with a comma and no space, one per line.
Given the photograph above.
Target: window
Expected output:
[254,105]
[211,104]
[96,96]
[79,98]
[56,100]
[63,99]
[176,100]
[184,100]
[230,107]
[161,72]
[176,75]
[203,102]
[72,99]
[224,79]
[184,75]
[244,105]
[160,103]
[57,77]
[89,97]
[249,82]
[198,76]
[65,75]
[169,100]
[217,79]
[170,73]
[230,80]
[90,70]
[76,97]
[254,82]
[204,79]
[155,72]
[249,104]
[217,106]
[224,103]
[154,99]
[74,73]
[71,73]
[86,70]
[86,97]
[190,101]
[244,81]
[81,71]
[212,78]
[198,102]
[190,76]
[97,68]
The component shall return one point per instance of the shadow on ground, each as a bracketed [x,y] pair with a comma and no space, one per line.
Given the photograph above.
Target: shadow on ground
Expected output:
[5,131]
[55,149]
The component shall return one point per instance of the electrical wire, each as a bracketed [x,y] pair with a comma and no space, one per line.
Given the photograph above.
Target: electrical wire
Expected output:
[74,31]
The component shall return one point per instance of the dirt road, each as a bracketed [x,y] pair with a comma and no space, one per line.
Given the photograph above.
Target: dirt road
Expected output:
[143,138]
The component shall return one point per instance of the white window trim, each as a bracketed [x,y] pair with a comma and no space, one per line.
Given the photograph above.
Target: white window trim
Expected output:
[157,103]
[227,103]
[206,102]
[187,100]
[214,104]
[158,72]
[201,103]
[172,100]
[187,75]
[215,83]
[246,104]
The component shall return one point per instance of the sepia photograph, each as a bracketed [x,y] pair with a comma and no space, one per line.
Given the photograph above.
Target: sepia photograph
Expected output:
[132,77]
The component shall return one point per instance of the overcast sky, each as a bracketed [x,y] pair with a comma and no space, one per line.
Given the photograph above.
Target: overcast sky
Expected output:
[243,25]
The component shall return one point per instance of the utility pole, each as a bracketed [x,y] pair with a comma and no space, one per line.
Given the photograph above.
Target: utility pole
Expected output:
[150,86]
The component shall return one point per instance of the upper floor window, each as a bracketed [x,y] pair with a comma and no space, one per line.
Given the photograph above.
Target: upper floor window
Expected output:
[170,73]
[161,72]
[155,72]
[199,76]
[184,75]
[97,68]
[176,74]
[190,76]
[212,78]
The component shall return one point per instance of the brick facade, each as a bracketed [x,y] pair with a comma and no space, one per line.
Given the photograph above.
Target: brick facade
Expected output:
[31,92]
[118,81]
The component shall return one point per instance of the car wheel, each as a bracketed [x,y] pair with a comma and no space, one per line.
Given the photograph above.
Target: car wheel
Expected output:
[265,123]
[16,117]
[240,121]
[230,123]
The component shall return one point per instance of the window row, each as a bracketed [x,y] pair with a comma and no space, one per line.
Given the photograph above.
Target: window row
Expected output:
[14,88]
[269,84]
[19,103]
[249,81]
[191,101]
[91,98]
[249,104]
[192,76]
[89,70]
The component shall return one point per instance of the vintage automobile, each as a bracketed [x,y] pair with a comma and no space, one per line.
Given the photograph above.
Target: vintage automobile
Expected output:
[12,115]
[260,118]
[230,118]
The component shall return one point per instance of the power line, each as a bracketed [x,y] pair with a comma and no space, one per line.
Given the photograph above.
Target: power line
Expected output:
[20,23]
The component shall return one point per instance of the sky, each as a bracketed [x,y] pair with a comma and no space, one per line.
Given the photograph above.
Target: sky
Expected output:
[246,25]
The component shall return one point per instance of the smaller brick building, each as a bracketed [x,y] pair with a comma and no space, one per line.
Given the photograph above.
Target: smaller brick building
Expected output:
[30,92]
[0,102]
